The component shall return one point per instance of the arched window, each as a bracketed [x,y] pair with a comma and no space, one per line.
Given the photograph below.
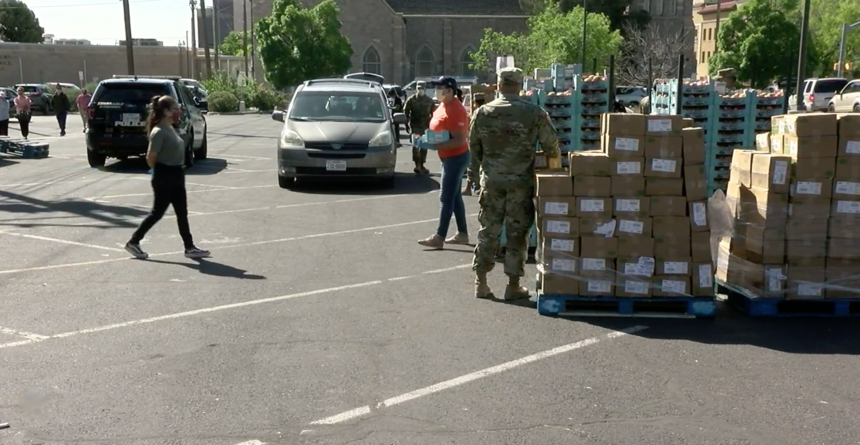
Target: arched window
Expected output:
[371,62]
[425,63]
[465,61]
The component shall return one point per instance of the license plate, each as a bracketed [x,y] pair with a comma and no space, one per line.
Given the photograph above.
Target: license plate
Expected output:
[131,119]
[335,166]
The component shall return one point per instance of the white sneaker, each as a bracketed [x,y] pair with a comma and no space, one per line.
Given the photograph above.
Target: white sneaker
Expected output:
[197,253]
[460,238]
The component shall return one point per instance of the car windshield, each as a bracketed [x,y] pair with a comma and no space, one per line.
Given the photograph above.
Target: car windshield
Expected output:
[337,106]
[192,83]
[830,86]
[128,93]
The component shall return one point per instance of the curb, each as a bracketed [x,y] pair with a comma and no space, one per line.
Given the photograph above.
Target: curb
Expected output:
[238,113]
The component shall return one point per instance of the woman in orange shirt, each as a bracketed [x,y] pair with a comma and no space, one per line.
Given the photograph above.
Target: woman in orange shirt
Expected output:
[452,117]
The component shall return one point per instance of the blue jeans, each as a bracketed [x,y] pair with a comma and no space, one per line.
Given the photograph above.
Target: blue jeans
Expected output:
[453,169]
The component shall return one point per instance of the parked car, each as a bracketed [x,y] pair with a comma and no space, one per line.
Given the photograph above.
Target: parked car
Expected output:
[398,90]
[847,100]
[197,90]
[118,113]
[338,128]
[818,92]
[630,96]
[10,96]
[39,94]
[370,77]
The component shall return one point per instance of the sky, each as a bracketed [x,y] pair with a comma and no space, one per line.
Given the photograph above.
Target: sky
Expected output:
[101,21]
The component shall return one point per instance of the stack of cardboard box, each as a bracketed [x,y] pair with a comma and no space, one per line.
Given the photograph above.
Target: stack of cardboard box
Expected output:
[795,204]
[629,220]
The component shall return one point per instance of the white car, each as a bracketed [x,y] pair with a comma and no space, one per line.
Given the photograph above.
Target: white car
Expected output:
[630,96]
[818,92]
[847,100]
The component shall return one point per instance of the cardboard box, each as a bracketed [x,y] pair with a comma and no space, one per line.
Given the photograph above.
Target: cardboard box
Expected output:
[635,246]
[603,268]
[668,206]
[820,188]
[849,146]
[633,166]
[698,219]
[810,147]
[806,227]
[541,162]
[593,186]
[633,287]
[672,246]
[848,168]
[762,142]
[559,284]
[561,266]
[844,272]
[559,248]
[628,185]
[663,167]
[814,168]
[805,282]
[811,124]
[621,146]
[845,225]
[694,145]
[848,125]
[588,163]
[671,226]
[559,227]
[763,207]
[622,124]
[598,247]
[597,287]
[641,267]
[670,286]
[846,190]
[764,245]
[663,125]
[695,182]
[594,207]
[677,266]
[770,171]
[777,124]
[809,207]
[700,247]
[633,226]
[741,166]
[664,187]
[777,144]
[597,226]
[843,248]
[805,249]
[554,184]
[556,205]
[702,284]
[664,146]
[689,122]
[631,206]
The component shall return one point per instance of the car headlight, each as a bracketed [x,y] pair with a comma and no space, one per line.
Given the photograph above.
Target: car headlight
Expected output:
[383,139]
[290,138]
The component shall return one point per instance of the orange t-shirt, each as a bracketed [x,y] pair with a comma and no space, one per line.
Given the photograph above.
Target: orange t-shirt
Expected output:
[451,117]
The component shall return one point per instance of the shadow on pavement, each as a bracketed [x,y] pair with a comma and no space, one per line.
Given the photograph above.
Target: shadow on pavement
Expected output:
[137,166]
[105,213]
[405,184]
[209,267]
[5,162]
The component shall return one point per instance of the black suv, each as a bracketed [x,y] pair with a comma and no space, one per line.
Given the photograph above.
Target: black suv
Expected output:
[117,119]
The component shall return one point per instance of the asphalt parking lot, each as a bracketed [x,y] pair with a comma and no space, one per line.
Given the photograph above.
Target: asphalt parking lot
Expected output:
[319,320]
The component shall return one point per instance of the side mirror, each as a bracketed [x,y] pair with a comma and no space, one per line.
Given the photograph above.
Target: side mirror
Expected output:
[197,101]
[399,118]
[279,116]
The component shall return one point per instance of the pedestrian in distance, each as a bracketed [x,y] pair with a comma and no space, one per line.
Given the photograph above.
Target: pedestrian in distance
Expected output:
[83,102]
[502,137]
[166,158]
[478,100]
[4,114]
[419,110]
[61,108]
[396,105]
[24,108]
[451,117]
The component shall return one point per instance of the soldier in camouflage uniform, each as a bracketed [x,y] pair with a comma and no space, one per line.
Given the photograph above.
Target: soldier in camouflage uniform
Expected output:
[503,138]
[478,101]
[419,110]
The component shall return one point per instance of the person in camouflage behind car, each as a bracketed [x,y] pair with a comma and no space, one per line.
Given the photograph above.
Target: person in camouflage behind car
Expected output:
[419,110]
[478,100]
[502,139]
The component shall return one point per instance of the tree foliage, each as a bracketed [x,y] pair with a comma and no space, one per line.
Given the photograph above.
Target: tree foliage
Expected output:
[553,37]
[826,20]
[18,23]
[758,41]
[620,12]
[234,42]
[297,43]
[661,46]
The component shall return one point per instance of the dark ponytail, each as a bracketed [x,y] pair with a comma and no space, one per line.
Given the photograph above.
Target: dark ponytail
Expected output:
[157,107]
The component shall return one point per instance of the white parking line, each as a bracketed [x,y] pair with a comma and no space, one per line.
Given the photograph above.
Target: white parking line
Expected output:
[27,335]
[62,241]
[33,184]
[448,384]
[189,191]
[192,313]
[252,442]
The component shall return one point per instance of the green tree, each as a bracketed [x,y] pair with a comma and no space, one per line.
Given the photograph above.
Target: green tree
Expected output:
[621,13]
[825,30]
[553,37]
[297,43]
[758,41]
[232,44]
[18,23]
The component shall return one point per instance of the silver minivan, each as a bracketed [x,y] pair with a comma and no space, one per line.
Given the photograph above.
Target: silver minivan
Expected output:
[338,128]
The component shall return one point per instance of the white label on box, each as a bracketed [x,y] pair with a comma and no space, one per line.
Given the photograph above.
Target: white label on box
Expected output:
[852,147]
[808,188]
[774,284]
[674,286]
[675,268]
[851,207]
[775,145]
[562,245]
[847,188]
[626,226]
[628,168]
[635,287]
[627,205]
[706,276]
[700,214]
[599,286]
[808,290]
[626,144]
[591,205]
[780,172]
[593,264]
[606,229]
[556,208]
[659,125]
[646,266]
[558,226]
[631,269]
[663,165]
[792,147]
[563,265]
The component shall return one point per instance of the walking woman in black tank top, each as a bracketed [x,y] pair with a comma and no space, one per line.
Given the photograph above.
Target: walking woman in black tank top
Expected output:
[166,157]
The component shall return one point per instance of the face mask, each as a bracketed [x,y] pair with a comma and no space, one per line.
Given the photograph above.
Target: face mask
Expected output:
[420,92]
[440,94]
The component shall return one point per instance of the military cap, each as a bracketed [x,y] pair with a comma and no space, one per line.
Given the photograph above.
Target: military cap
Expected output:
[510,76]
[420,85]
[479,96]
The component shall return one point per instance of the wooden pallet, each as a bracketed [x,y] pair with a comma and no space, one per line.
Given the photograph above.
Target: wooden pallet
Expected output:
[653,307]
[756,306]
[24,149]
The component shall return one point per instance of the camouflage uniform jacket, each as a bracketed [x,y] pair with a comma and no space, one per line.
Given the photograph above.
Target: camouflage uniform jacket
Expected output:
[503,136]
[419,110]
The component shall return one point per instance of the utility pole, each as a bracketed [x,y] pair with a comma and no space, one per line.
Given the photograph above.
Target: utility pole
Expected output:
[245,34]
[253,45]
[845,29]
[215,42]
[801,58]
[584,28]
[129,44]
[717,27]
[204,38]
[193,4]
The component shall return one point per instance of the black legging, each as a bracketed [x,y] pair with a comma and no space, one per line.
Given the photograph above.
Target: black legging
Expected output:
[24,123]
[168,183]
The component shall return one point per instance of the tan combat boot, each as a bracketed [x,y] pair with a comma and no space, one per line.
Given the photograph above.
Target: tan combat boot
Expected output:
[514,291]
[482,289]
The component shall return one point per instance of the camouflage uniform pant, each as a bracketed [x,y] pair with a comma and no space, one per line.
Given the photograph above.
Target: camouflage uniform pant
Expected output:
[419,155]
[515,208]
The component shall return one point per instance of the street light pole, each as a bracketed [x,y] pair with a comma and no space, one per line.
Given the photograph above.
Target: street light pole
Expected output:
[801,59]
[584,28]
[204,37]
[193,4]
[845,29]
[129,44]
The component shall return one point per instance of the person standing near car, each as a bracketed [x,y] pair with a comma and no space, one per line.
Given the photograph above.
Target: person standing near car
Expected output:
[503,136]
[166,157]
[419,109]
[83,101]
[4,114]
[61,107]
[24,108]
[478,101]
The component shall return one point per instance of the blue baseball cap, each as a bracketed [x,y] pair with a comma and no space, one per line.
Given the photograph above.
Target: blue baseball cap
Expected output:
[447,82]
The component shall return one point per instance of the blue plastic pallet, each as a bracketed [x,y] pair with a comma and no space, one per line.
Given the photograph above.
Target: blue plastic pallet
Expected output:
[755,306]
[24,148]
[654,307]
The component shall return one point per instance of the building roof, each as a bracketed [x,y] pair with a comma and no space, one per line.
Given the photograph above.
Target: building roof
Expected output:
[457,7]
[724,5]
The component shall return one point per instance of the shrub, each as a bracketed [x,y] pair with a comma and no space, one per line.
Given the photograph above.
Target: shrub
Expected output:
[223,102]
[267,100]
